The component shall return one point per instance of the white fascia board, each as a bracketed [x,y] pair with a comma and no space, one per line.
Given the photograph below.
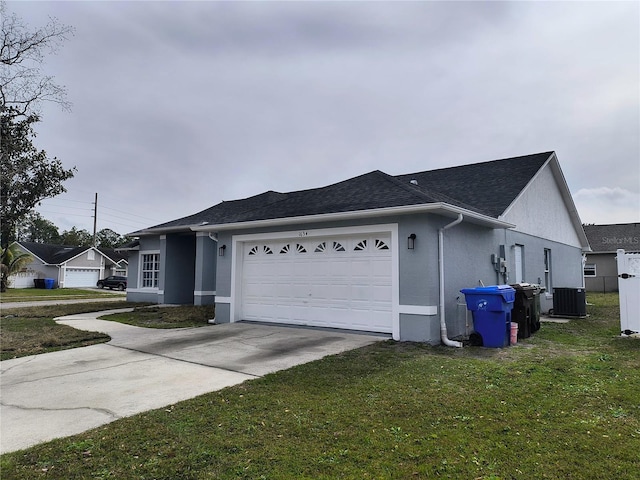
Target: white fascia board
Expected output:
[160,231]
[437,208]
[108,257]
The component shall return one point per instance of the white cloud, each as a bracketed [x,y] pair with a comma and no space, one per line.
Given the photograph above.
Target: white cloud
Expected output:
[605,205]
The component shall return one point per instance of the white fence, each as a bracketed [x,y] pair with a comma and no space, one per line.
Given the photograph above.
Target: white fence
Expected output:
[629,287]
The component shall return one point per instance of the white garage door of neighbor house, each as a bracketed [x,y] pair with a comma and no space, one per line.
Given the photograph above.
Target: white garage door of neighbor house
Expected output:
[338,282]
[81,277]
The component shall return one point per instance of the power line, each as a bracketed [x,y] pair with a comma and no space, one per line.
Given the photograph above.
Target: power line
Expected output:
[89,208]
[72,208]
[65,213]
[131,214]
[66,200]
[122,225]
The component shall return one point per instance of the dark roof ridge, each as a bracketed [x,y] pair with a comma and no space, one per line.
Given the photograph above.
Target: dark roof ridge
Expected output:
[350,179]
[282,197]
[55,245]
[548,154]
[430,195]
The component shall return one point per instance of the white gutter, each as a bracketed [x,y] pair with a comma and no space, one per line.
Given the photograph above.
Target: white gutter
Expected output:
[443,324]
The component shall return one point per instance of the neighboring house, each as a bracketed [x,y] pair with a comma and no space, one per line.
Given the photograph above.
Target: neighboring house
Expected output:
[69,266]
[600,269]
[376,252]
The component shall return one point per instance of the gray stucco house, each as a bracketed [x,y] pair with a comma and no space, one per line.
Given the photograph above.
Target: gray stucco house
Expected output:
[69,267]
[376,252]
[600,269]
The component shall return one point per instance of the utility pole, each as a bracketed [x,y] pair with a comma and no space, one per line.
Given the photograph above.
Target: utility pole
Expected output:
[95,220]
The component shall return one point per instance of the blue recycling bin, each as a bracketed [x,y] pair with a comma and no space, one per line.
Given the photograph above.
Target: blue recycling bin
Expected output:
[48,283]
[491,309]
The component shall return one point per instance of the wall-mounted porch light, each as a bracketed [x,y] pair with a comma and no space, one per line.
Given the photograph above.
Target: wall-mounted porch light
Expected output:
[221,250]
[411,241]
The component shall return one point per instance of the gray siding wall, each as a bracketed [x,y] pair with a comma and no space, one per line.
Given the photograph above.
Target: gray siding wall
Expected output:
[606,279]
[151,243]
[223,264]
[177,268]
[132,275]
[49,272]
[566,264]
[467,260]
[205,273]
[83,261]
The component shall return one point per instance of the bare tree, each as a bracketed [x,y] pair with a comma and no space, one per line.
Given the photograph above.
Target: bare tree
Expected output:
[23,83]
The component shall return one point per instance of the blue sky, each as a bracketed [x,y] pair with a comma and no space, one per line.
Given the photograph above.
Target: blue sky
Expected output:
[180,105]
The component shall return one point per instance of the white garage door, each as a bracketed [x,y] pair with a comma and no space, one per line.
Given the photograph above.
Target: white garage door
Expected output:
[337,282]
[81,277]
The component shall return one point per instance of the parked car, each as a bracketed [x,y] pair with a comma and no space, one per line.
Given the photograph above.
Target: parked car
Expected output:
[112,282]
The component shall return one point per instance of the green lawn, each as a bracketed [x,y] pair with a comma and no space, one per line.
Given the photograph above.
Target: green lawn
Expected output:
[182,316]
[36,294]
[563,404]
[31,330]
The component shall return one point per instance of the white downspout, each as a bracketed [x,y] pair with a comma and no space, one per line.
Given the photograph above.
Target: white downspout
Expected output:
[443,324]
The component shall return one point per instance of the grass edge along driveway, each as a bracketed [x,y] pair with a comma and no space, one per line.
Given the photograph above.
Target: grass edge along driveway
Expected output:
[562,404]
[14,295]
[33,331]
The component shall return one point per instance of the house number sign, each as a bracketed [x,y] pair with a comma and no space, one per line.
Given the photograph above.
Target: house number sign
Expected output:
[303,234]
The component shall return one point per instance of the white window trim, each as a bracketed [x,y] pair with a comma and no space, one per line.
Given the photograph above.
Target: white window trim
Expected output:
[548,279]
[595,274]
[140,266]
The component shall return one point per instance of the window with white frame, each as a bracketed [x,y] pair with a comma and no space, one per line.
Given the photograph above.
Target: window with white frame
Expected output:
[150,270]
[590,270]
[547,269]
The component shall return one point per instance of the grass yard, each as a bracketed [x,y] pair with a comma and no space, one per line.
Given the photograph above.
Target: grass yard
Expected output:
[37,294]
[182,316]
[31,330]
[563,404]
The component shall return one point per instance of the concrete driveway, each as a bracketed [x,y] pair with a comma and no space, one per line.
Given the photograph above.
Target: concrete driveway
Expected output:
[59,394]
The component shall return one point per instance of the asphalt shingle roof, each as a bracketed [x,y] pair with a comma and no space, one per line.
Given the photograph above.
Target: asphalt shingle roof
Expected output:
[52,254]
[609,238]
[487,188]
[57,254]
